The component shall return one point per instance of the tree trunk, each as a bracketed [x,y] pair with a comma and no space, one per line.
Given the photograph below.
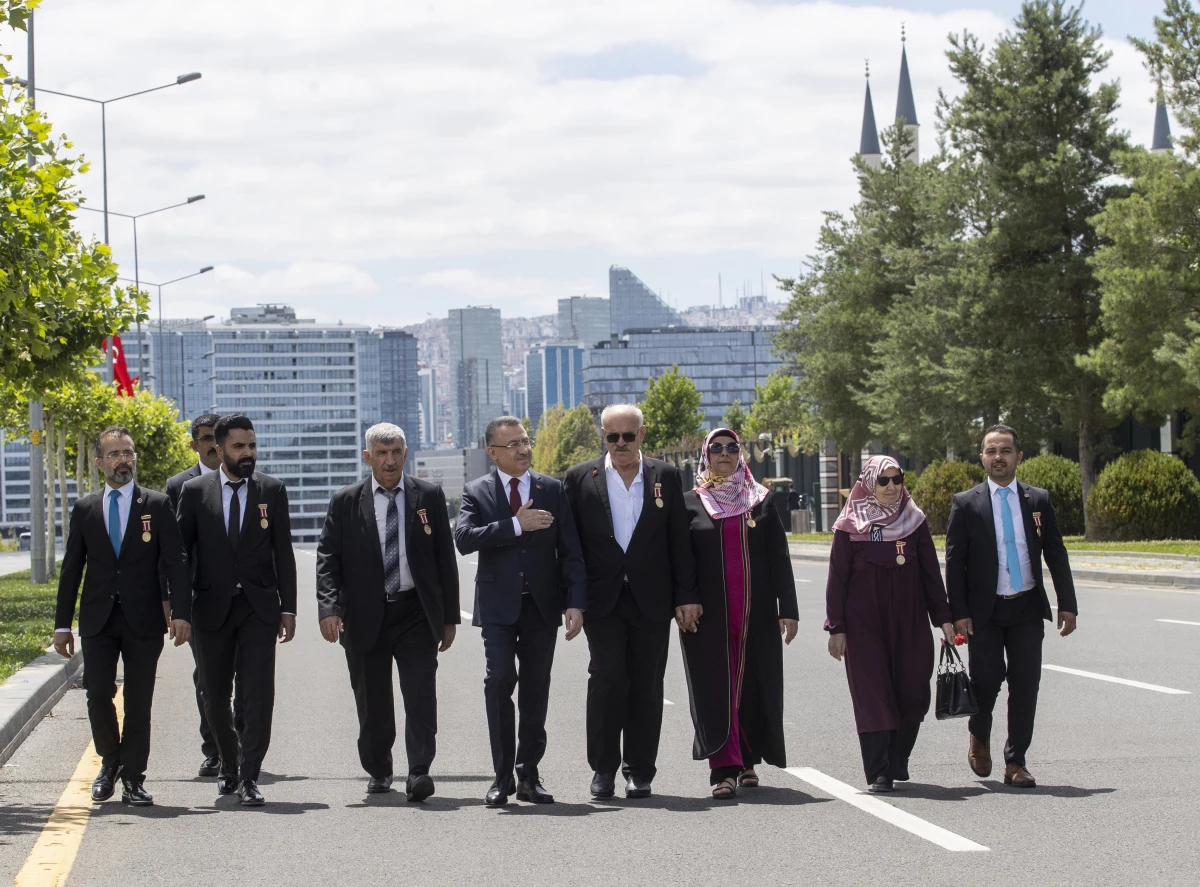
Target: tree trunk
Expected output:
[63,502]
[1087,470]
[856,464]
[82,480]
[51,512]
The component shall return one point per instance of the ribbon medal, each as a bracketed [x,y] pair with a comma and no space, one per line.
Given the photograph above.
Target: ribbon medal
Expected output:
[750,521]
[262,515]
[658,495]
[424,521]
[1037,519]
[145,528]
[900,558]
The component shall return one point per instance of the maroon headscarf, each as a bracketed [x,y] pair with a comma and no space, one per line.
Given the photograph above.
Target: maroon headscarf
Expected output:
[863,511]
[727,496]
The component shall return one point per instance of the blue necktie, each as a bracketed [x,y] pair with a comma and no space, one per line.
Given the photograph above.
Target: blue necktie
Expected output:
[1015,580]
[114,521]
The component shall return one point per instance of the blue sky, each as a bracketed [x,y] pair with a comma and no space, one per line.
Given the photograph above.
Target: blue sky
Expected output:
[395,160]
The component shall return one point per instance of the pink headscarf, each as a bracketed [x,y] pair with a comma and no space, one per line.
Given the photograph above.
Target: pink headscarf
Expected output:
[863,511]
[727,496]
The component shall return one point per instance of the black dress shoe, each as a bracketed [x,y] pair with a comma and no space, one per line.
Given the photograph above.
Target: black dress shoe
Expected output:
[637,788]
[377,785]
[418,788]
[530,789]
[250,795]
[604,785]
[881,785]
[227,783]
[104,784]
[497,795]
[211,766]
[132,792]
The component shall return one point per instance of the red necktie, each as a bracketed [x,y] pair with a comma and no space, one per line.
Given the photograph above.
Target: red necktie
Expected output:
[514,495]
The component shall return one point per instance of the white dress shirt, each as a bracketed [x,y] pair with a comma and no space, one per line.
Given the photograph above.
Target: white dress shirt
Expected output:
[124,504]
[522,491]
[381,509]
[227,497]
[1014,503]
[204,469]
[625,503]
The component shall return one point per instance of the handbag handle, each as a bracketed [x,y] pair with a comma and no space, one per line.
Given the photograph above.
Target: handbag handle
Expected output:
[949,660]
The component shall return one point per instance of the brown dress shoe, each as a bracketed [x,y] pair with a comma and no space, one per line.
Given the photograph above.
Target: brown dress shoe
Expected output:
[979,756]
[1018,777]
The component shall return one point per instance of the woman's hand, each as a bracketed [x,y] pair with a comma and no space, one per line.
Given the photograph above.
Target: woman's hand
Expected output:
[788,628]
[948,632]
[837,646]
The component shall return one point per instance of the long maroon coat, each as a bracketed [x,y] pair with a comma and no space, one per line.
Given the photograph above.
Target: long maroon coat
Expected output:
[885,610]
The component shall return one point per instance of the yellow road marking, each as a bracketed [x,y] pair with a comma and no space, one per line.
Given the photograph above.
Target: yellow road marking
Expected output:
[54,853]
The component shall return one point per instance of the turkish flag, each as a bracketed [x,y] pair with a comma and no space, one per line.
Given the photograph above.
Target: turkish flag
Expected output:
[121,375]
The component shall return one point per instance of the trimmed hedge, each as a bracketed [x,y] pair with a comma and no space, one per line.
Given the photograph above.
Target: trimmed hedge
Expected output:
[1144,495]
[1060,477]
[935,489]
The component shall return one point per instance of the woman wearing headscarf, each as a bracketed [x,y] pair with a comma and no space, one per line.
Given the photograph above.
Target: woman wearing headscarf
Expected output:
[733,656]
[884,589]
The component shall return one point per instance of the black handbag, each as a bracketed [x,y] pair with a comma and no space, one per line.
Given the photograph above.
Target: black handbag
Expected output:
[955,698]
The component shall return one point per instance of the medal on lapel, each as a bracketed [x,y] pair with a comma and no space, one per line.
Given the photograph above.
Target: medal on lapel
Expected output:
[900,558]
[145,528]
[1037,520]
[658,495]
[750,522]
[424,521]
[262,515]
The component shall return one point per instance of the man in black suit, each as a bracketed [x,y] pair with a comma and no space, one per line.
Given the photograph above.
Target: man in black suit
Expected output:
[204,445]
[633,529]
[996,538]
[530,574]
[121,536]
[236,523]
[387,587]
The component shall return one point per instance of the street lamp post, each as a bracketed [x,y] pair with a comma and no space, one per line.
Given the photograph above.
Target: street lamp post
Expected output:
[203,270]
[187,385]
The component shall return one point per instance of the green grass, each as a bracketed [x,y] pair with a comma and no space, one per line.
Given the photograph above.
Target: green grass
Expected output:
[1073,543]
[26,621]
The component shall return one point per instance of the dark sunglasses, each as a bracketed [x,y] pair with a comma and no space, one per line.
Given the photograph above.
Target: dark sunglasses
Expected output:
[898,480]
[731,448]
[627,436]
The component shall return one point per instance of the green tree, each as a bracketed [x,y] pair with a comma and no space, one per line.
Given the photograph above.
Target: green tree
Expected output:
[1173,59]
[162,442]
[671,409]
[735,418]
[546,442]
[775,408]
[577,440]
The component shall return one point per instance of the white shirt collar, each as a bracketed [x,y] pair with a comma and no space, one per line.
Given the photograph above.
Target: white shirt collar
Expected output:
[204,469]
[376,486]
[993,486]
[125,492]
[225,478]
[608,466]
[522,481]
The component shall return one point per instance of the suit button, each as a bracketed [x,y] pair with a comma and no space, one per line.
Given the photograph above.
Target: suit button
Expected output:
[520,574]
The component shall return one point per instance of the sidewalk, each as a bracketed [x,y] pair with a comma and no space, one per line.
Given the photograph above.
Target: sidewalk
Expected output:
[1122,568]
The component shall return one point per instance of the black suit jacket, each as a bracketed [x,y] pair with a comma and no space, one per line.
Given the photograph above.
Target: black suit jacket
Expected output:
[548,561]
[264,563]
[134,575]
[659,562]
[972,561]
[173,489]
[350,560]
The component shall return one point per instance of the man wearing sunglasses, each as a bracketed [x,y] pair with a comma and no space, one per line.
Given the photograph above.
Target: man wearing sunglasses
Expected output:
[633,529]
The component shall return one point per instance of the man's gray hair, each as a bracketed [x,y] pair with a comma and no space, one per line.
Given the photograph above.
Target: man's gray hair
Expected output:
[626,409]
[384,433]
[489,433]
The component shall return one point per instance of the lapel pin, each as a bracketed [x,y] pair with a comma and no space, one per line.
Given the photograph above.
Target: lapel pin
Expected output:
[595,471]
[1037,520]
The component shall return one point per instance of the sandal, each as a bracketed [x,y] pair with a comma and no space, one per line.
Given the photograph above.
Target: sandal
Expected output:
[725,790]
[748,778]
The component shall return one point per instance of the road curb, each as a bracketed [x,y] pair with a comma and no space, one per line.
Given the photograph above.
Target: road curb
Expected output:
[28,696]
[1114,576]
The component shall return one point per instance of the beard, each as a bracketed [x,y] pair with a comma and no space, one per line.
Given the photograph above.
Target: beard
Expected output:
[240,468]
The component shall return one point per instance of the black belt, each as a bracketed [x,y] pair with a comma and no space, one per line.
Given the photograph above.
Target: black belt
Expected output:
[1013,597]
[396,596]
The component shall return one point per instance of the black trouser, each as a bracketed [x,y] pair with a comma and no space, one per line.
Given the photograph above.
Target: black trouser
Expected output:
[244,645]
[625,688]
[529,641]
[886,752]
[128,748]
[208,744]
[406,639]
[1015,632]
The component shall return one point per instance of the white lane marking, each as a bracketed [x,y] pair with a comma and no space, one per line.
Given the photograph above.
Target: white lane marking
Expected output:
[1177,621]
[466,615]
[885,811]
[798,581]
[1128,683]
[668,702]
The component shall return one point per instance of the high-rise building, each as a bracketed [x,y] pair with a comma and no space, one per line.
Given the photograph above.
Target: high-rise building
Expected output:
[476,372]
[518,404]
[725,364]
[633,305]
[584,319]
[535,403]
[430,426]
[555,369]
[400,385]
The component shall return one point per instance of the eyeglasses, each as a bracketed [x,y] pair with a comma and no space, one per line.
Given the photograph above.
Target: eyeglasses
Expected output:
[127,455]
[513,445]
[731,448]
[627,436]
[898,480]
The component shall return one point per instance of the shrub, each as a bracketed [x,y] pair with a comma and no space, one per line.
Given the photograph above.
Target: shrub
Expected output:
[935,489]
[1060,478]
[1144,495]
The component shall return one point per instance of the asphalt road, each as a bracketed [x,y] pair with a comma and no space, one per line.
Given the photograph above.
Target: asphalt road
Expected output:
[1116,766]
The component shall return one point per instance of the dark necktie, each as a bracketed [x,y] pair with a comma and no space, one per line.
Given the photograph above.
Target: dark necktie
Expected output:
[391,548]
[514,495]
[235,513]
